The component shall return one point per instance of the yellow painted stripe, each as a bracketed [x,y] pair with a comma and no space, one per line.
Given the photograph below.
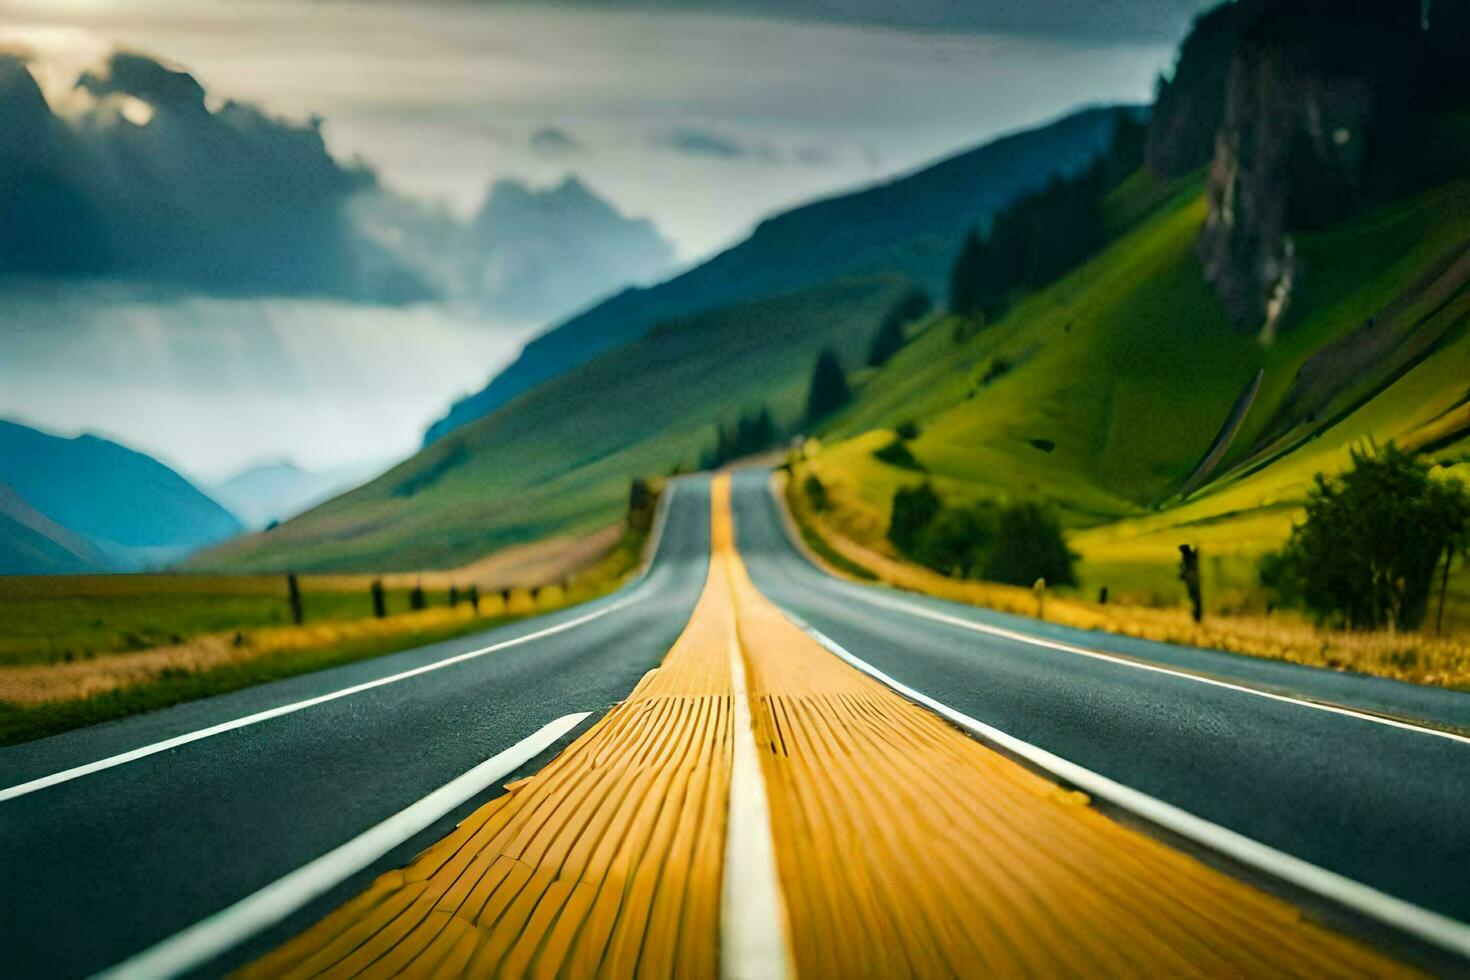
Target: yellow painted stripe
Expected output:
[903,847]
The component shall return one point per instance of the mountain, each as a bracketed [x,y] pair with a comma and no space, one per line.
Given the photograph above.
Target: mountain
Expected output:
[1296,291]
[278,491]
[129,508]
[32,544]
[559,459]
[543,253]
[911,225]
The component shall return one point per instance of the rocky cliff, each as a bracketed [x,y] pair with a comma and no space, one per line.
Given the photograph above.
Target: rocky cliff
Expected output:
[1313,108]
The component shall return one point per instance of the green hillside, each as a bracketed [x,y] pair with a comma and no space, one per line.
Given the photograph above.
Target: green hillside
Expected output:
[1104,391]
[559,458]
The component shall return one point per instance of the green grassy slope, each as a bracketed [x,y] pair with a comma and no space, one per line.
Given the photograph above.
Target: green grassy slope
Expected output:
[559,458]
[1126,366]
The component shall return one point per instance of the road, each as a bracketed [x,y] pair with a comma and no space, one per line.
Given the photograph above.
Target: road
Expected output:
[1379,804]
[116,860]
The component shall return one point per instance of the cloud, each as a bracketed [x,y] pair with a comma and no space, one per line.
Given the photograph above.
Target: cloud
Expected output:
[1098,20]
[696,141]
[543,253]
[553,141]
[702,142]
[136,175]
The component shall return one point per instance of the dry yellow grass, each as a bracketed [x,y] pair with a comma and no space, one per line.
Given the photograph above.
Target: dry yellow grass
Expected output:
[1419,658]
[519,566]
[28,685]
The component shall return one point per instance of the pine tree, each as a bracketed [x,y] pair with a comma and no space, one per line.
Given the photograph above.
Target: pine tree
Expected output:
[829,390]
[890,336]
[965,276]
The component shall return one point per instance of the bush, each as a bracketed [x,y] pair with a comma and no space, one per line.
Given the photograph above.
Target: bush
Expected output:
[913,509]
[897,454]
[958,540]
[816,493]
[1367,552]
[907,430]
[1016,545]
[1029,545]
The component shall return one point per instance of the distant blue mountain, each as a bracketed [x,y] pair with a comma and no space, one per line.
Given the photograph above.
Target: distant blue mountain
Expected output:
[115,508]
[911,225]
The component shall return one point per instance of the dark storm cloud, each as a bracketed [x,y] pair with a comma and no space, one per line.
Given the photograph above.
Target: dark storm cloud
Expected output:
[145,180]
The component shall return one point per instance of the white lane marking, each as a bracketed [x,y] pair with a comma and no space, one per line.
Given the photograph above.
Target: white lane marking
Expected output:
[1429,926]
[87,769]
[753,941]
[76,772]
[198,944]
[793,537]
[913,610]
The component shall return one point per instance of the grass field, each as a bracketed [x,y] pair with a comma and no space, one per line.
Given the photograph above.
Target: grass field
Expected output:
[1420,658]
[87,649]
[1102,392]
[61,618]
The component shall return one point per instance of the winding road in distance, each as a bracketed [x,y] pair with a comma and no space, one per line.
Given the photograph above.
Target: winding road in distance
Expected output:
[119,837]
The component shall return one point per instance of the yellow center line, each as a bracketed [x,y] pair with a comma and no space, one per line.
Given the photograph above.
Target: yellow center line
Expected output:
[903,847]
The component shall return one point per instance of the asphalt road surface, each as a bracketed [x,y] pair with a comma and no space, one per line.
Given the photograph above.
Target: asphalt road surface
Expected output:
[1380,804]
[104,865]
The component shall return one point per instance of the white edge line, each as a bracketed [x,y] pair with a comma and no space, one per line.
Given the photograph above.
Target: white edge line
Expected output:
[142,752]
[753,940]
[202,942]
[866,595]
[76,772]
[1432,927]
[913,610]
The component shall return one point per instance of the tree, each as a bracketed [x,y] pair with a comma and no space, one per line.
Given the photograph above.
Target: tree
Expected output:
[913,509]
[642,503]
[890,338]
[1371,541]
[829,390]
[1028,546]
[965,275]
[958,540]
[750,433]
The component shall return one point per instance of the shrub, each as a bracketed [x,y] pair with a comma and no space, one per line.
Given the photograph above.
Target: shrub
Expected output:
[816,493]
[896,453]
[958,540]
[642,502]
[1371,541]
[913,509]
[1029,545]
[908,429]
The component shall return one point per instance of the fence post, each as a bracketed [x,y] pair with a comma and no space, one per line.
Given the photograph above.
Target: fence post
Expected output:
[293,593]
[380,605]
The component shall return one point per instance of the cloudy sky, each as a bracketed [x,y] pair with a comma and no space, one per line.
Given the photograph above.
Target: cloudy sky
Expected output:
[702,122]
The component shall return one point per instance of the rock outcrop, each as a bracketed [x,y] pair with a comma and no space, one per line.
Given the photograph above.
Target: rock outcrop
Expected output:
[1327,106]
